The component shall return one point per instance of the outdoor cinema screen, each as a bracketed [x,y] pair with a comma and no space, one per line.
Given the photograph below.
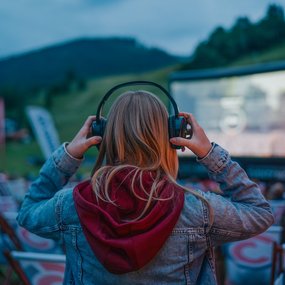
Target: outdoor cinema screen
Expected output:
[243,112]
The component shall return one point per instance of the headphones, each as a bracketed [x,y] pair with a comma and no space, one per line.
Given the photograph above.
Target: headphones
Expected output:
[177,126]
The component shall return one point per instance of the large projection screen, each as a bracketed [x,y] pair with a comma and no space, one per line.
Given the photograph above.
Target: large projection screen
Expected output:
[243,113]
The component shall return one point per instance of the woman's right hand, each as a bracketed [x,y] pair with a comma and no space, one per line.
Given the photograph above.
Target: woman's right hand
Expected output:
[199,144]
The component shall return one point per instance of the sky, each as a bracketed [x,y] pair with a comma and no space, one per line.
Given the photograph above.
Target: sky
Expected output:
[176,26]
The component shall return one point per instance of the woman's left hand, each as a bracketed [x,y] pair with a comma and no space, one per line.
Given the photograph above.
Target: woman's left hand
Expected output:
[83,141]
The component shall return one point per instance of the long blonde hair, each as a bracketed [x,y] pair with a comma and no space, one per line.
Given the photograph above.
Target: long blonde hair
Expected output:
[136,136]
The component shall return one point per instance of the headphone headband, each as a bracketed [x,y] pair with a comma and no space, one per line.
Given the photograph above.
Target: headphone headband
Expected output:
[177,126]
[133,83]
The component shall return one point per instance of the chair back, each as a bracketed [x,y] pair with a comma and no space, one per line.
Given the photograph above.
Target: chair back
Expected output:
[278,264]
[35,268]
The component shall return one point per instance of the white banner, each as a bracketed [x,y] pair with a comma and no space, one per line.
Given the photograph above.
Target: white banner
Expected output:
[44,129]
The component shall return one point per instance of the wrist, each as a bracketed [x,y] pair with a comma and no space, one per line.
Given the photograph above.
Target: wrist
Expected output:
[200,158]
[202,152]
[71,152]
[216,160]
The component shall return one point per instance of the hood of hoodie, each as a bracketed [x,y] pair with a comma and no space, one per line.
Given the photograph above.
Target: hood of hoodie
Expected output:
[121,243]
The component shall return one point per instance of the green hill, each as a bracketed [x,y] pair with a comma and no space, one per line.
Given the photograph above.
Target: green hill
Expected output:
[272,54]
[80,59]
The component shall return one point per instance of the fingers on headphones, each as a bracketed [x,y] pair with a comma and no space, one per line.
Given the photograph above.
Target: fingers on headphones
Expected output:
[89,120]
[187,116]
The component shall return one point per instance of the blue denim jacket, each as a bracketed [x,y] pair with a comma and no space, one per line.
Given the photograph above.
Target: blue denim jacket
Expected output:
[187,256]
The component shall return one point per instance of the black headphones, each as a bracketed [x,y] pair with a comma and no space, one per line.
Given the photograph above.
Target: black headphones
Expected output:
[177,126]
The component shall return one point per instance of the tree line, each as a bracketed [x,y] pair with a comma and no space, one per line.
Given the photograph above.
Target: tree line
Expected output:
[244,38]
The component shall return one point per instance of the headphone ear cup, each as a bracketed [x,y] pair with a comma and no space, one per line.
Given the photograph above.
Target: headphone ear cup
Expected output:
[98,128]
[175,124]
[171,129]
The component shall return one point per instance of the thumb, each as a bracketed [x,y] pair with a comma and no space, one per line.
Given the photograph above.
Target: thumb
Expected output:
[94,140]
[179,141]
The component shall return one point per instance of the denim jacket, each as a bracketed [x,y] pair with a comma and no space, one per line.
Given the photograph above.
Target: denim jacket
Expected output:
[240,212]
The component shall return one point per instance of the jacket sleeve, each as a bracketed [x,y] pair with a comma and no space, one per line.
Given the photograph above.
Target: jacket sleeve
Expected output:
[41,208]
[241,211]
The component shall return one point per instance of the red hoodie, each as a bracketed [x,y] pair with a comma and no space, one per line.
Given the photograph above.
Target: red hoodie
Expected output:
[119,244]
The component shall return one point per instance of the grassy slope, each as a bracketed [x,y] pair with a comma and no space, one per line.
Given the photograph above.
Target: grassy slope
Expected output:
[273,54]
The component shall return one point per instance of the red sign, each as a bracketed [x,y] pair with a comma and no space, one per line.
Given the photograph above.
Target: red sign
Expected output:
[253,252]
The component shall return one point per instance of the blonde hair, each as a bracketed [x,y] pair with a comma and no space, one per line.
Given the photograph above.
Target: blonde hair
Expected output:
[136,136]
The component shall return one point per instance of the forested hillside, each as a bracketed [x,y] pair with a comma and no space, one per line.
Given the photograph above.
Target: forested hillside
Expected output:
[243,43]
[80,59]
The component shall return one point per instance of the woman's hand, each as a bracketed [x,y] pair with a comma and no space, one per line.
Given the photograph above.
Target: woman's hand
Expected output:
[83,141]
[199,144]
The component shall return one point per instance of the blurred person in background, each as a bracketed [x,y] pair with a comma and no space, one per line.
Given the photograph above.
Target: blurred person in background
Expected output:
[131,223]
[276,191]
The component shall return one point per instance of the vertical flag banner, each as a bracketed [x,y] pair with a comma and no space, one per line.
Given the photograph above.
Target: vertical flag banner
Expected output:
[44,129]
